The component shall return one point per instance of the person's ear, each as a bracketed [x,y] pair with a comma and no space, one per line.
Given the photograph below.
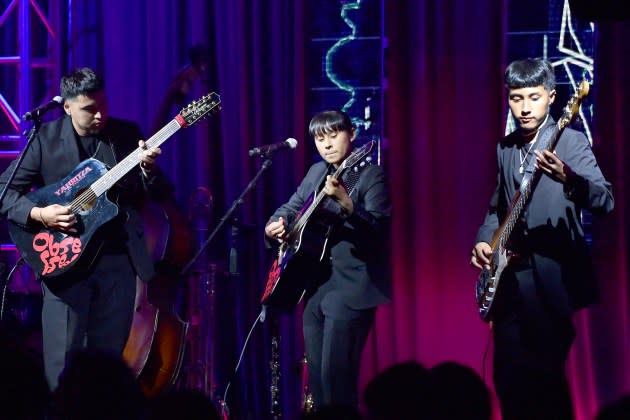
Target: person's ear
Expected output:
[66,107]
[353,134]
[552,96]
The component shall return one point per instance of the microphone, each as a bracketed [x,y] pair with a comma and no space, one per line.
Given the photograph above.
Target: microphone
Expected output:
[55,102]
[291,143]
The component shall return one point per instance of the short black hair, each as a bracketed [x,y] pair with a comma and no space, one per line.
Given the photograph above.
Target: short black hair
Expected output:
[530,72]
[328,122]
[82,81]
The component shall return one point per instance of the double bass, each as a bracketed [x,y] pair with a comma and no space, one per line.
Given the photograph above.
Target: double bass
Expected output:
[155,348]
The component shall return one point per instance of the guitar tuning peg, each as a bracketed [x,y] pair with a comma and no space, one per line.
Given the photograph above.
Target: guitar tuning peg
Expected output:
[369,159]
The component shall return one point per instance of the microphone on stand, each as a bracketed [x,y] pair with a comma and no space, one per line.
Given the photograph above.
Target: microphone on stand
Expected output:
[290,143]
[55,102]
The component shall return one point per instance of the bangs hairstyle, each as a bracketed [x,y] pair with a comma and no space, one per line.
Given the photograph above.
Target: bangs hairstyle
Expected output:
[82,81]
[328,122]
[530,73]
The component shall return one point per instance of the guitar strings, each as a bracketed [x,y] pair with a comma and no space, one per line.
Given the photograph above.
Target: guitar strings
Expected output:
[320,196]
[125,165]
[132,159]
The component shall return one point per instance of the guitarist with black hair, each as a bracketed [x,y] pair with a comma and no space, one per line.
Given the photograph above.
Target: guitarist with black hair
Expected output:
[549,274]
[91,306]
[348,277]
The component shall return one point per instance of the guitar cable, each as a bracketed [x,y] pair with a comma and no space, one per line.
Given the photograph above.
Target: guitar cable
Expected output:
[7,281]
[225,411]
[484,359]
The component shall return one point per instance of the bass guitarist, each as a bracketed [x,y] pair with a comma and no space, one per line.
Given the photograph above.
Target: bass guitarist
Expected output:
[90,306]
[549,274]
[353,277]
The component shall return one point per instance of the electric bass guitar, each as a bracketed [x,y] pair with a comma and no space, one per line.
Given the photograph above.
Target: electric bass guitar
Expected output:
[304,246]
[487,284]
[51,253]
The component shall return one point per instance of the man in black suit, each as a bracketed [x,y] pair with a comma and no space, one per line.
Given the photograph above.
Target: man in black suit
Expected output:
[354,275]
[90,306]
[550,274]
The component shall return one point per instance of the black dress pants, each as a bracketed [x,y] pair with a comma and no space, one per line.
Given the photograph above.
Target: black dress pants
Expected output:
[531,345]
[334,337]
[91,313]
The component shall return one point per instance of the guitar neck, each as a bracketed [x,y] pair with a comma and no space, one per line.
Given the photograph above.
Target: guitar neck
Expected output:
[525,191]
[354,158]
[318,198]
[112,176]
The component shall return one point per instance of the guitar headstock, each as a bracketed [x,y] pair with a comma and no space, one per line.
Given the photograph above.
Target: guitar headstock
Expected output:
[357,155]
[573,106]
[200,108]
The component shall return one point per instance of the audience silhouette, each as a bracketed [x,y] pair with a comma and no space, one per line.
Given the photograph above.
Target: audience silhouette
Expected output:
[456,391]
[333,412]
[619,409]
[181,404]
[408,391]
[397,393]
[23,389]
[97,386]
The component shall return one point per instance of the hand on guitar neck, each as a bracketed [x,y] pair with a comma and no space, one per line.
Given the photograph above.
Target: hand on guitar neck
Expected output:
[333,188]
[337,191]
[552,165]
[147,158]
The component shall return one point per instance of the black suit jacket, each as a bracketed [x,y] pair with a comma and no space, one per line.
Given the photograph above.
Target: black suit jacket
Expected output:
[54,153]
[552,232]
[359,251]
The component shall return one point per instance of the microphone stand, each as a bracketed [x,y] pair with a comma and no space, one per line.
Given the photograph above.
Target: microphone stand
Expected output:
[229,215]
[37,122]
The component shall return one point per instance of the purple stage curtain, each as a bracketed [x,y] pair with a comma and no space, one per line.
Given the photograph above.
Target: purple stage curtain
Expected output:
[600,362]
[445,108]
[444,112]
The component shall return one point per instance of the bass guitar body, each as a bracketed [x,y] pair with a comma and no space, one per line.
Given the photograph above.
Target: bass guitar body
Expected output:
[488,283]
[50,252]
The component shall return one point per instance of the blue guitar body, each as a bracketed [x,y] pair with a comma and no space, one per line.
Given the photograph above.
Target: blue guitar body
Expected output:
[50,252]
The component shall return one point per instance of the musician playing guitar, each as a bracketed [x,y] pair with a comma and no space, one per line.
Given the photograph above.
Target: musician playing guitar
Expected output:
[549,274]
[353,275]
[90,306]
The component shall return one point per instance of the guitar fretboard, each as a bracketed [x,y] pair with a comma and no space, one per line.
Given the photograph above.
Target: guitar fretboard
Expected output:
[112,176]
[548,142]
[188,116]
[299,224]
[350,161]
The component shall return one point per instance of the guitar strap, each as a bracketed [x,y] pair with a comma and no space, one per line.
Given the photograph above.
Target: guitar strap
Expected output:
[351,177]
[541,143]
[108,157]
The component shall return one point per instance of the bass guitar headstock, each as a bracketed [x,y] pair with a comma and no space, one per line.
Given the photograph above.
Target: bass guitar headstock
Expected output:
[573,106]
